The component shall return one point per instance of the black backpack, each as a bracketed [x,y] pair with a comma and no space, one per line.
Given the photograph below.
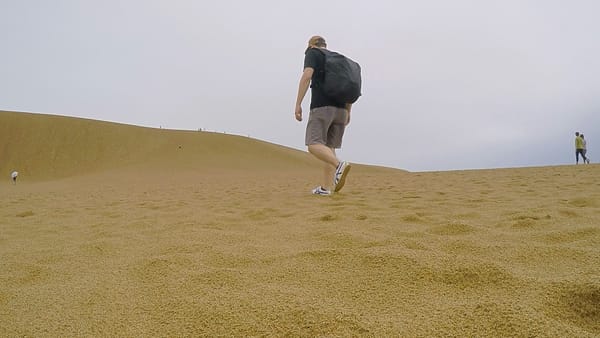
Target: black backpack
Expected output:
[341,78]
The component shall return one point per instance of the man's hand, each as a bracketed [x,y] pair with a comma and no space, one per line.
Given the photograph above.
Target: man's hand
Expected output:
[298,113]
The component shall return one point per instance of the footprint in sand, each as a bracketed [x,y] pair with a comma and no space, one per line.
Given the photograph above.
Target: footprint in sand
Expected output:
[578,304]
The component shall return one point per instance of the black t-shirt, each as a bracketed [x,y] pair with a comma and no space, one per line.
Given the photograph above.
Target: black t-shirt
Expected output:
[316,60]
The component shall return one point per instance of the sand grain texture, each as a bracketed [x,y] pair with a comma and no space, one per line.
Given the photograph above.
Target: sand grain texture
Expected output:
[118,230]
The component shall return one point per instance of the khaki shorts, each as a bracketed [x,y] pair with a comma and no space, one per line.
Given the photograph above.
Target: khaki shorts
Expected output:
[326,126]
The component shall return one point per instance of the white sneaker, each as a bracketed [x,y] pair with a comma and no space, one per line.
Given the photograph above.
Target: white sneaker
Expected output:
[340,175]
[321,191]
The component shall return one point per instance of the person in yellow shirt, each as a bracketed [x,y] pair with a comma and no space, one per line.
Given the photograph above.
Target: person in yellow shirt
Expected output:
[579,148]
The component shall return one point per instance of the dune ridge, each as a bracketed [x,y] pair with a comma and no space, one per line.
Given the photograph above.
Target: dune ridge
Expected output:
[149,242]
[46,147]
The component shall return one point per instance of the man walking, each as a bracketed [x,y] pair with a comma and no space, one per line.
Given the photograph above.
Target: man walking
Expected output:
[327,121]
[587,159]
[579,148]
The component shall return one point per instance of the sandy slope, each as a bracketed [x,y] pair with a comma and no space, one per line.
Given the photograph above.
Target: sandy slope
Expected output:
[43,147]
[149,239]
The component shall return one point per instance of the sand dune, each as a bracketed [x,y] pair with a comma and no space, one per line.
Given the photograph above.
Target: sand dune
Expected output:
[46,147]
[119,230]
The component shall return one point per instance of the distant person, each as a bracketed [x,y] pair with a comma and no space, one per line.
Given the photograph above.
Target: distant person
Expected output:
[327,121]
[587,159]
[579,146]
[14,176]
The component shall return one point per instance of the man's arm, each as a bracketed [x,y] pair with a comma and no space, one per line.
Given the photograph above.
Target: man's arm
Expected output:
[349,108]
[302,89]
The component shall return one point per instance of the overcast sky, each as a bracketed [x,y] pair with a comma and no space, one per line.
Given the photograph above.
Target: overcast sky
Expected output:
[446,84]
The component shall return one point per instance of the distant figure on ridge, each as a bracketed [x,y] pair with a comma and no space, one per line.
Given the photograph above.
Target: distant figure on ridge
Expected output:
[329,109]
[587,159]
[579,146]
[14,176]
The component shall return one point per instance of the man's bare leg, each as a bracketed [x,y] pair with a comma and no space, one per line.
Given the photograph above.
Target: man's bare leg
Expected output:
[327,155]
